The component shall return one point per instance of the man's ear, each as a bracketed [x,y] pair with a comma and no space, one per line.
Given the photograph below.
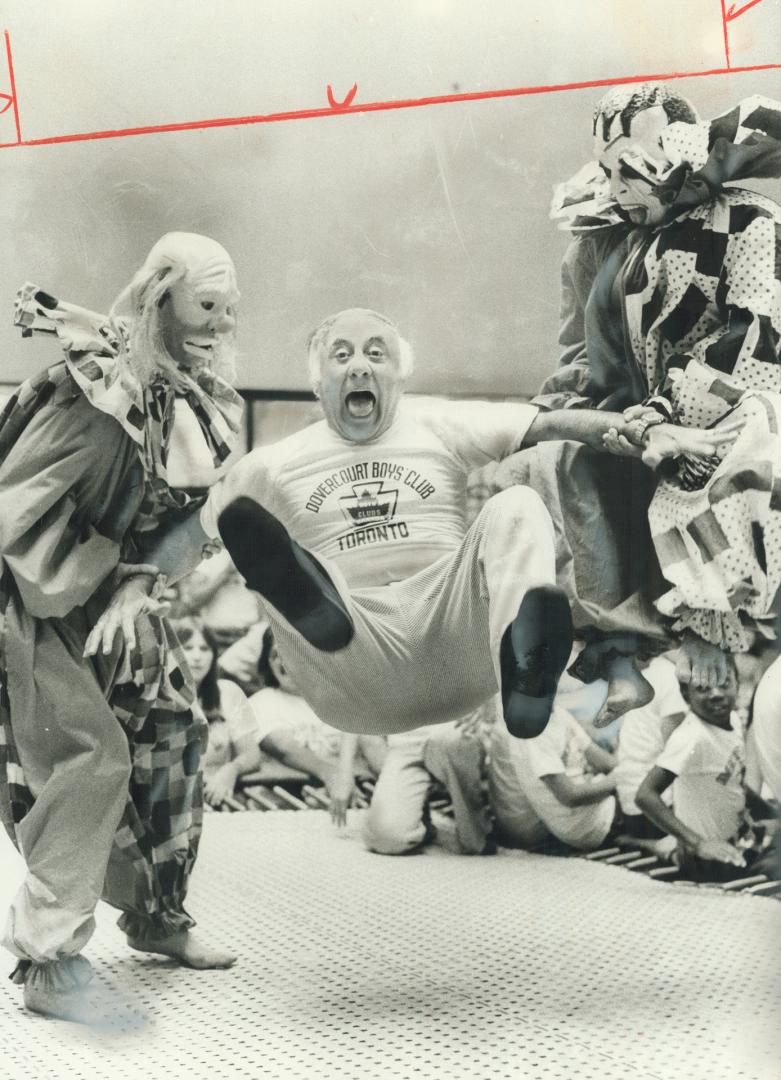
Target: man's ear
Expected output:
[316,390]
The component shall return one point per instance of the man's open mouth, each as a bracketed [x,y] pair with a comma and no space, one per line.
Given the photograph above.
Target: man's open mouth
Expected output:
[360,404]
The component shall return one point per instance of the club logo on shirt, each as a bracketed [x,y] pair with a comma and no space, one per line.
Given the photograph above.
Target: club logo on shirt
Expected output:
[734,767]
[369,472]
[369,504]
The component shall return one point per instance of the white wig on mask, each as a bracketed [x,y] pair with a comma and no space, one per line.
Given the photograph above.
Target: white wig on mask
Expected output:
[318,336]
[173,256]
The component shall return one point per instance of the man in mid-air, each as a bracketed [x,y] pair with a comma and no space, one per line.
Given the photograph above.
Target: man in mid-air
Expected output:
[389,611]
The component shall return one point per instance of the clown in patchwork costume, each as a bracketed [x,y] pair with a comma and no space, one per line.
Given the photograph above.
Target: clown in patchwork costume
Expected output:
[671,312]
[100,784]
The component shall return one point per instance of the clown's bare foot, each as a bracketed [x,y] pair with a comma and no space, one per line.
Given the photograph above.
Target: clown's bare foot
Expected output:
[627,690]
[62,990]
[185,948]
[700,662]
[593,661]
[90,1006]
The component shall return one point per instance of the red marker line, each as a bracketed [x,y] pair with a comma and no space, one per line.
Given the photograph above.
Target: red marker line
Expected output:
[13,86]
[725,30]
[733,14]
[380,106]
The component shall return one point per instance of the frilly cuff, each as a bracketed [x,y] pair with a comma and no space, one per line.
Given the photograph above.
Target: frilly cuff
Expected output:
[55,976]
[79,329]
[728,630]
[125,571]
[154,927]
[661,406]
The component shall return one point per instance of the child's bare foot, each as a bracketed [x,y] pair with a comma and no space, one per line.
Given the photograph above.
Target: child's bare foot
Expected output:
[185,948]
[700,662]
[627,690]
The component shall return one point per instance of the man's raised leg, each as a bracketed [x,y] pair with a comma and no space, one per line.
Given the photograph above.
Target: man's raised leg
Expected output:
[286,575]
[529,615]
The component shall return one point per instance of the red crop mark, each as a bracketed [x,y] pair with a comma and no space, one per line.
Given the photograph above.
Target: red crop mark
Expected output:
[725,30]
[347,102]
[728,15]
[337,108]
[735,14]
[11,98]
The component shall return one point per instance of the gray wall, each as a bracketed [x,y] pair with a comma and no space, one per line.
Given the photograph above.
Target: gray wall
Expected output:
[437,216]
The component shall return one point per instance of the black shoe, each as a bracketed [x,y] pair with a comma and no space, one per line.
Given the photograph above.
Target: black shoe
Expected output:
[533,653]
[283,573]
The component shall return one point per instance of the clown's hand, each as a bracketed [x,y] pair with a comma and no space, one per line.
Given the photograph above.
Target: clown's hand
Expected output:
[671,441]
[136,595]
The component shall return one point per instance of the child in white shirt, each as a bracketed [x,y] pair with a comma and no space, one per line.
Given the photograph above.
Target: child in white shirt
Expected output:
[704,760]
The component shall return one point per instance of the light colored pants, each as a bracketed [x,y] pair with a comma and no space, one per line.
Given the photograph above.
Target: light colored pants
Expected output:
[395,823]
[428,647]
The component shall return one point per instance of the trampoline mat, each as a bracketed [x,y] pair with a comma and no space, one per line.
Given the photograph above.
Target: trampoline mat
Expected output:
[353,965]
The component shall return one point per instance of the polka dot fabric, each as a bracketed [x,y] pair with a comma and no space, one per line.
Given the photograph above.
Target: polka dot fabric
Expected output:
[705,326]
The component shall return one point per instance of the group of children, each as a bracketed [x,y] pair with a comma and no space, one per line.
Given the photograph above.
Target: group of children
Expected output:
[682,776]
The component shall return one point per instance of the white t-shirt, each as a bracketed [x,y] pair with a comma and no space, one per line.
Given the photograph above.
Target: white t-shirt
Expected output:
[644,731]
[237,721]
[765,730]
[561,749]
[275,709]
[709,764]
[385,509]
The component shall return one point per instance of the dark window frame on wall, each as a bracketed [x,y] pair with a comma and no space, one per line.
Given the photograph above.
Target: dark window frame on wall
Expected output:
[251,397]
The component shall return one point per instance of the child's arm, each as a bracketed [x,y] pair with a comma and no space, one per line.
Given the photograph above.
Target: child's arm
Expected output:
[337,776]
[649,800]
[573,792]
[284,746]
[758,807]
[600,760]
[342,784]
[223,783]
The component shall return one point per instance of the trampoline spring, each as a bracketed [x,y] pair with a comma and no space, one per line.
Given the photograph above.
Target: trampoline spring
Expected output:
[296,804]
[741,883]
[260,798]
[596,856]
[318,794]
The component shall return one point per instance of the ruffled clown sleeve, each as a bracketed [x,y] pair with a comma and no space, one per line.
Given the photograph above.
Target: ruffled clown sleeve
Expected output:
[65,474]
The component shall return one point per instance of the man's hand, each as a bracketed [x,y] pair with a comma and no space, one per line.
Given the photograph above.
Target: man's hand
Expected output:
[220,786]
[131,600]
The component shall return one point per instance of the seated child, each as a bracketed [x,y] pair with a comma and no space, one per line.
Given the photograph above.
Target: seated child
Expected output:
[559,784]
[288,730]
[704,761]
[232,749]
[452,753]
[642,738]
